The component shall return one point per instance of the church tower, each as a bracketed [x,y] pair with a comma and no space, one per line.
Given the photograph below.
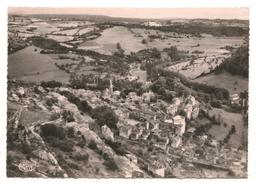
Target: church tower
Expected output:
[111,87]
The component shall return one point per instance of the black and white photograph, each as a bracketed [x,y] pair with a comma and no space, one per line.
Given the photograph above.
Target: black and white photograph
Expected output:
[127,92]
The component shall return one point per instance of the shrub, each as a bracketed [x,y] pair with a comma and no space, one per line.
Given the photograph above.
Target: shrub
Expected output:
[116,146]
[63,144]
[216,104]
[105,156]
[105,116]
[82,141]
[51,84]
[52,130]
[54,116]
[51,101]
[82,105]
[110,164]
[80,156]
[25,148]
[92,145]
[70,132]
[68,116]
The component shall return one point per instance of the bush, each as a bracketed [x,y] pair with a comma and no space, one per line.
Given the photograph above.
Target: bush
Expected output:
[51,101]
[70,132]
[82,105]
[105,116]
[68,116]
[110,164]
[82,142]
[54,116]
[105,156]
[80,156]
[51,84]
[63,144]
[216,104]
[52,130]
[92,145]
[116,146]
[25,148]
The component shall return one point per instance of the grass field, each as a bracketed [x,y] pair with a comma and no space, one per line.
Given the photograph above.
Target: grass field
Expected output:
[221,131]
[110,37]
[67,32]
[60,38]
[85,30]
[234,83]
[29,65]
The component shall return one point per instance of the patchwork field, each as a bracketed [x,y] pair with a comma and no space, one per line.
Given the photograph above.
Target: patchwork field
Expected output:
[234,84]
[29,65]
[131,41]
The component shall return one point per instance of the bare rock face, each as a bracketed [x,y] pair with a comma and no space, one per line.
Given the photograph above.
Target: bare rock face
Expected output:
[107,133]
[14,97]
[40,89]
[21,91]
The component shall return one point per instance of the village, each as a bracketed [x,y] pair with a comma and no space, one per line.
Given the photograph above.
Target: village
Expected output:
[137,105]
[157,136]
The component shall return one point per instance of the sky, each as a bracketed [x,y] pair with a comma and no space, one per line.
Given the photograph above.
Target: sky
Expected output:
[189,13]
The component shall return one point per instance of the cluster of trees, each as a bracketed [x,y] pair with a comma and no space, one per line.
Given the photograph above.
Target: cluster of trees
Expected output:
[51,101]
[104,115]
[193,28]
[160,87]
[173,53]
[14,46]
[231,132]
[109,162]
[56,137]
[218,93]
[115,63]
[126,86]
[81,104]
[68,116]
[116,146]
[238,63]
[120,51]
[46,43]
[88,82]
[51,84]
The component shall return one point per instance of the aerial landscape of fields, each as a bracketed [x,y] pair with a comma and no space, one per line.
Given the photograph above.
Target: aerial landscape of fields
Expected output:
[99,96]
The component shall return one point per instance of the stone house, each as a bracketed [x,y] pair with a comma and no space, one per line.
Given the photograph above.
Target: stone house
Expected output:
[180,121]
[157,168]
[125,131]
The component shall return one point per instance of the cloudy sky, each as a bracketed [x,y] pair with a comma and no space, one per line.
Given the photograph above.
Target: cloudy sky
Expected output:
[211,13]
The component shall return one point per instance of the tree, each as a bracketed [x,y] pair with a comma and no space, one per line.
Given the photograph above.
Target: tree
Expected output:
[104,115]
[120,50]
[173,53]
[156,53]
[144,41]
